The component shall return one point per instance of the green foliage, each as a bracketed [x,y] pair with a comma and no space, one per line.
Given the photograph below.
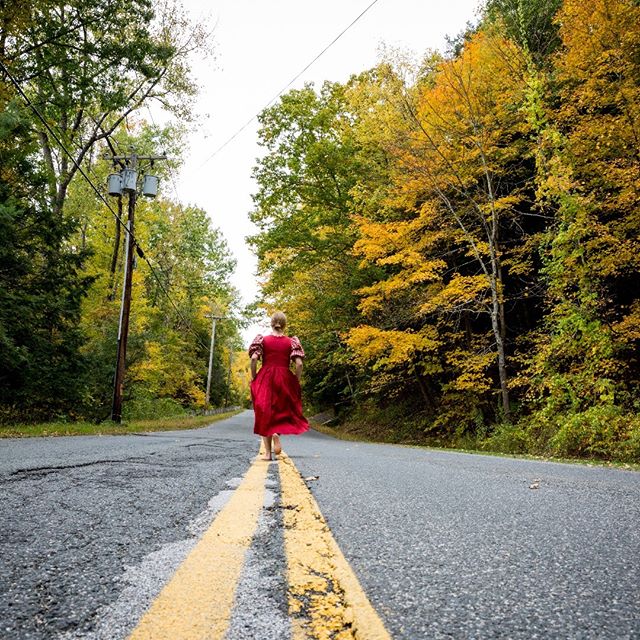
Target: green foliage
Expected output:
[41,287]
[302,210]
[446,231]
[604,432]
[169,332]
[530,23]
[89,66]
[148,407]
[507,438]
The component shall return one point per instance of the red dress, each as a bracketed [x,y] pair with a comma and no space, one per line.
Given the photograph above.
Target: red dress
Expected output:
[276,393]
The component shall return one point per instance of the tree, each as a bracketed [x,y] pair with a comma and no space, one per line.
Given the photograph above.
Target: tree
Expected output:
[302,210]
[41,287]
[87,65]
[458,174]
[528,23]
[188,271]
[583,374]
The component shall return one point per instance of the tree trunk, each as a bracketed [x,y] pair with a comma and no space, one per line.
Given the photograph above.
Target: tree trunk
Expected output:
[496,311]
[424,390]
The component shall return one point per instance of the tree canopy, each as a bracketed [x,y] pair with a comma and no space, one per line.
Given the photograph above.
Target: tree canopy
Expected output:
[456,236]
[87,69]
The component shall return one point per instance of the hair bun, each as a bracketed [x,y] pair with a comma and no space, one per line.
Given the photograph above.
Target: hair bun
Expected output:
[278,320]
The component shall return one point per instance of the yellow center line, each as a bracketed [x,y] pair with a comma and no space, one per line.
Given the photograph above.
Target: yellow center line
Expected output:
[198,600]
[326,600]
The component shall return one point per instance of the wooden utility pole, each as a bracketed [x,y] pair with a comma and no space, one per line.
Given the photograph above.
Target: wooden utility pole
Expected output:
[226,395]
[214,319]
[123,325]
[128,184]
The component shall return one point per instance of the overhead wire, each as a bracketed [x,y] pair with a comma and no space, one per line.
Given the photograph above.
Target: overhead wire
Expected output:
[275,97]
[53,134]
[97,191]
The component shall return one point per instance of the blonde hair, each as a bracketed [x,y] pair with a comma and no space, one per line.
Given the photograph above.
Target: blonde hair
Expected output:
[278,320]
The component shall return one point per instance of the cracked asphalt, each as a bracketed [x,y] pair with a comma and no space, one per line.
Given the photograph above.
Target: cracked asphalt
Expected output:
[446,545]
[77,512]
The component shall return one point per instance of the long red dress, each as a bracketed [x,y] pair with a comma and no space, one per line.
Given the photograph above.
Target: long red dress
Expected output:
[276,393]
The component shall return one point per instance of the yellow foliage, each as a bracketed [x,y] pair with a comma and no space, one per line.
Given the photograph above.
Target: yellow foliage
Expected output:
[471,370]
[386,349]
[462,292]
[162,378]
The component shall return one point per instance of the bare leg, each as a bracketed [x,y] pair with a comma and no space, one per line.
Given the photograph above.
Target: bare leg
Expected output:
[267,447]
[277,447]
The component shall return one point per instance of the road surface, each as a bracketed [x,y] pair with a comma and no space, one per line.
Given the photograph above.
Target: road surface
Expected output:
[104,537]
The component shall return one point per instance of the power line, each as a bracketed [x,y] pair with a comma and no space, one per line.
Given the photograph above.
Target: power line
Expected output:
[268,104]
[137,246]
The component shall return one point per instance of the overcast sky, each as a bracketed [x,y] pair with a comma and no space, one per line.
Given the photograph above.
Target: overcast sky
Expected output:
[260,46]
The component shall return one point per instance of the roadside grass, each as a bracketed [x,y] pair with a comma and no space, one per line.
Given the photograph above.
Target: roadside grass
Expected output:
[109,428]
[376,437]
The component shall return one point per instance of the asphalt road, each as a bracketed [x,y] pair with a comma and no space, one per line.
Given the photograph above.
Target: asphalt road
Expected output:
[452,545]
[446,545]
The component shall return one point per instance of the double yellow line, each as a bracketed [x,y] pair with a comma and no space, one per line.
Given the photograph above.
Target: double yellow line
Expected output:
[325,597]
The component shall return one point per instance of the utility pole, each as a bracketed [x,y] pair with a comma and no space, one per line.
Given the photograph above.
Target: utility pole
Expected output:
[123,324]
[226,396]
[127,181]
[214,319]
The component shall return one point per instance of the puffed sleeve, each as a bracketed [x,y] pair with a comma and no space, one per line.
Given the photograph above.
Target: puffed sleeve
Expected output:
[296,348]
[256,347]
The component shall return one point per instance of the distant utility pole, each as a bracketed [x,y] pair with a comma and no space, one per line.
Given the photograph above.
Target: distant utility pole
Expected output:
[126,181]
[214,320]
[226,395]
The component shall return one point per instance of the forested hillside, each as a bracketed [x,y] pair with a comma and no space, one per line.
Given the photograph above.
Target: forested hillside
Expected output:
[78,83]
[457,239]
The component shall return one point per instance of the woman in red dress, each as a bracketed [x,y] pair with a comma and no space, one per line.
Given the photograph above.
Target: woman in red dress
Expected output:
[275,390]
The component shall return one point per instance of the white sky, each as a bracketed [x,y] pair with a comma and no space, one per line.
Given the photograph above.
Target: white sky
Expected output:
[260,46]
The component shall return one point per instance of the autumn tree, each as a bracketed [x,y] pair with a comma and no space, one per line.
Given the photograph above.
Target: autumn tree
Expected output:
[487,232]
[185,272]
[584,372]
[302,211]
[460,172]
[88,68]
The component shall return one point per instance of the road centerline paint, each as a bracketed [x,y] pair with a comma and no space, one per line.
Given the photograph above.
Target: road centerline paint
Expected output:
[197,602]
[325,597]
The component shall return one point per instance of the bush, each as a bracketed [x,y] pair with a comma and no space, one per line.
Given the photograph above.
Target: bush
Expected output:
[149,408]
[507,438]
[629,449]
[604,432]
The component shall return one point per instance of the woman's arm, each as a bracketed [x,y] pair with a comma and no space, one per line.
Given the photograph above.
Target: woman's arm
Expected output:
[254,365]
[255,353]
[298,362]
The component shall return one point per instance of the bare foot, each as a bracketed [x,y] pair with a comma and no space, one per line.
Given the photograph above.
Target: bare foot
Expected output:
[266,458]
[277,447]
